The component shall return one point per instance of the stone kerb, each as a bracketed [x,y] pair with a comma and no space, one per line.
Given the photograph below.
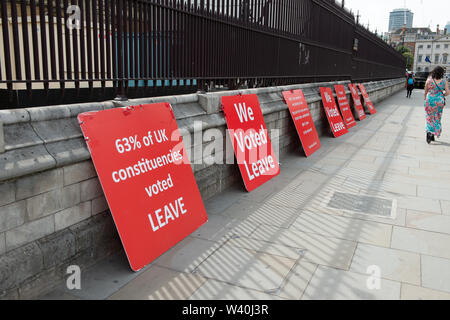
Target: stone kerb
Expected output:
[210,102]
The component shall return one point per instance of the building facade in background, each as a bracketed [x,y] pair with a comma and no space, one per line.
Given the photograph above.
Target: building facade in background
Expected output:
[447,27]
[407,37]
[400,17]
[431,51]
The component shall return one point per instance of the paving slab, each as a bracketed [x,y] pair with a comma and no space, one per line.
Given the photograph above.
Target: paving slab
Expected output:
[419,204]
[405,163]
[433,165]
[312,187]
[223,201]
[297,280]
[315,248]
[266,247]
[312,175]
[419,241]
[262,213]
[410,292]
[395,265]
[436,273]
[407,189]
[445,205]
[264,192]
[187,255]
[439,193]
[381,167]
[344,228]
[220,228]
[216,290]
[291,199]
[58,295]
[428,222]
[399,219]
[246,268]
[159,283]
[331,284]
[429,174]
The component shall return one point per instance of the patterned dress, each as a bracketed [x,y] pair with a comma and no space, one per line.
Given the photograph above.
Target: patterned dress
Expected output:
[434,105]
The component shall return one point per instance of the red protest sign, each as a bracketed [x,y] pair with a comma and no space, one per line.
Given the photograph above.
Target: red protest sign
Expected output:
[357,102]
[252,147]
[146,177]
[347,114]
[303,121]
[367,100]
[334,118]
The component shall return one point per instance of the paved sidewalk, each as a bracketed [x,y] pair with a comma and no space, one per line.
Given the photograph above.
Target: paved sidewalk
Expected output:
[376,200]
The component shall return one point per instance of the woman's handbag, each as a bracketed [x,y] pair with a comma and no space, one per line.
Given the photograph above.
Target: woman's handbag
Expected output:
[445,102]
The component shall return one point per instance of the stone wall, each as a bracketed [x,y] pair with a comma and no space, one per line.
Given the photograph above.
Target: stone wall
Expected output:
[52,209]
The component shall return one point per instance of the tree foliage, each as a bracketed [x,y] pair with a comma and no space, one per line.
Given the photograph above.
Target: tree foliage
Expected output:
[406,52]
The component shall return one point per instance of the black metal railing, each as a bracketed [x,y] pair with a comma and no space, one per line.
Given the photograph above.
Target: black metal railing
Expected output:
[56,51]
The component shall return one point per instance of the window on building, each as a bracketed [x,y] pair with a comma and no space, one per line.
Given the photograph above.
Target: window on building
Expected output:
[444,58]
[419,69]
[427,69]
[446,46]
[436,58]
[438,46]
[420,58]
[429,46]
[421,47]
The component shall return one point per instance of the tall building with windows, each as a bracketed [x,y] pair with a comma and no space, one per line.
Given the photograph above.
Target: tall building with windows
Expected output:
[447,27]
[399,17]
[431,51]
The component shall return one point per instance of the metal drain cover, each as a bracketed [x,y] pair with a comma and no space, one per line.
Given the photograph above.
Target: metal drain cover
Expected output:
[362,204]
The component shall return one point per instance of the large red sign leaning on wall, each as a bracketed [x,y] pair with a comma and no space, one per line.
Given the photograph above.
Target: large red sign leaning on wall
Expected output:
[334,117]
[367,100]
[347,114]
[146,177]
[255,156]
[357,102]
[303,120]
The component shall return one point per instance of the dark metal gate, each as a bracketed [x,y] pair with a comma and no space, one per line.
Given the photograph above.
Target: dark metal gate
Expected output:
[59,51]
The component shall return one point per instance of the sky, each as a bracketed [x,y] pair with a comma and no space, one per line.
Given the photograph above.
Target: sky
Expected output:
[376,12]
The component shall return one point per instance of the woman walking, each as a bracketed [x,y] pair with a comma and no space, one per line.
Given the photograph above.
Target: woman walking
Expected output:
[436,88]
[409,85]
